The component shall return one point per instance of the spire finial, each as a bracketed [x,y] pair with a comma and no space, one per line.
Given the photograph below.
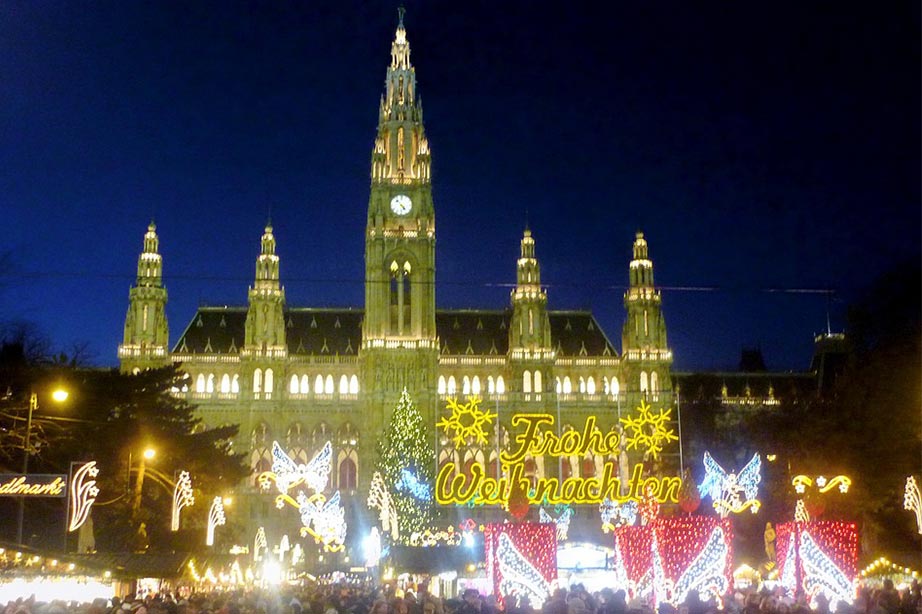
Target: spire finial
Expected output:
[400,11]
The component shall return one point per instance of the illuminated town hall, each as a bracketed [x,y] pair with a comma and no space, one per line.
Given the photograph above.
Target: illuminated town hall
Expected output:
[304,376]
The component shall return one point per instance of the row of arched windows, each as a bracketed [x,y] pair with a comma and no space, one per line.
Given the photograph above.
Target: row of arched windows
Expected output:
[471,385]
[533,382]
[264,384]
[649,383]
[323,385]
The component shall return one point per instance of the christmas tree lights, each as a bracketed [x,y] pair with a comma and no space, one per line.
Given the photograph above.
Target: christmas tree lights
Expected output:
[406,446]
[522,559]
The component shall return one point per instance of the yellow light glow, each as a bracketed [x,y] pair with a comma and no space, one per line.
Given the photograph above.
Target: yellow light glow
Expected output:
[228,501]
[60,395]
[149,453]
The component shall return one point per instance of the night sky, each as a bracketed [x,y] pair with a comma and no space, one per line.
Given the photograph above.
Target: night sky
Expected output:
[758,145]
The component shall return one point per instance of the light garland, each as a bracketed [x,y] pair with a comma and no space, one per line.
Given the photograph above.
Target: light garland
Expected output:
[800,512]
[824,485]
[182,497]
[669,557]
[83,493]
[820,557]
[912,500]
[445,537]
[727,490]
[522,560]
[215,518]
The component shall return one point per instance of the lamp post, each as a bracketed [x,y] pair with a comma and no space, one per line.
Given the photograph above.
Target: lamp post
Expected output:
[59,396]
[148,454]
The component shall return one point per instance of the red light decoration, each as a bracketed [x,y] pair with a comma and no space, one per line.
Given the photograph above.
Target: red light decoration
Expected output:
[662,561]
[528,567]
[819,557]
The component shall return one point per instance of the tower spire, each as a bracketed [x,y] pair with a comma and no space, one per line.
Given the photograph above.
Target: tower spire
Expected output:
[265,323]
[146,332]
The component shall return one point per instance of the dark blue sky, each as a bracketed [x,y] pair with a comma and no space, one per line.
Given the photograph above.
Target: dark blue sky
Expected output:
[758,145]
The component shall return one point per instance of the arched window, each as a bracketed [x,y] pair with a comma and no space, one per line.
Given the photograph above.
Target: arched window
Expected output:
[225,383]
[539,385]
[557,385]
[328,385]
[614,386]
[587,468]
[200,383]
[343,384]
[475,385]
[452,387]
[270,383]
[305,387]
[293,386]
[347,472]
[567,386]
[466,385]
[491,385]
[209,383]
[582,385]
[654,382]
[526,382]
[441,385]
[354,384]
[257,381]
[500,385]
[644,385]
[318,385]
[590,385]
[235,384]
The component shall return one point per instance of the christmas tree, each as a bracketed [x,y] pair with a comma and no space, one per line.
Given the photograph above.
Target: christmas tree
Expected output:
[406,461]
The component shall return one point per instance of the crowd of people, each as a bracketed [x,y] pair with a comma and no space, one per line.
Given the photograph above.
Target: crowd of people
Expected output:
[343,599]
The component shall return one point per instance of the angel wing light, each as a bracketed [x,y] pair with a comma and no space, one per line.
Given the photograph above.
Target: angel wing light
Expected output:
[287,473]
[732,492]
[707,573]
[821,574]
[517,575]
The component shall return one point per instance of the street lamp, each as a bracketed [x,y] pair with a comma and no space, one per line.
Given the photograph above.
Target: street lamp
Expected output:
[148,454]
[59,395]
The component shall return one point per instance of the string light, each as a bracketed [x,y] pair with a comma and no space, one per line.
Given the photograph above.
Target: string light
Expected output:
[522,559]
[410,483]
[820,557]
[912,500]
[562,522]
[379,498]
[617,514]
[260,544]
[727,490]
[215,518]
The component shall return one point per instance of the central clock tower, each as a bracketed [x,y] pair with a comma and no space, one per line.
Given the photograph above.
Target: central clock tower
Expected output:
[399,344]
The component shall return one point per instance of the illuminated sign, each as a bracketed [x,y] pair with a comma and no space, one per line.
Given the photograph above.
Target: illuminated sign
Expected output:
[32,485]
[647,433]
[83,493]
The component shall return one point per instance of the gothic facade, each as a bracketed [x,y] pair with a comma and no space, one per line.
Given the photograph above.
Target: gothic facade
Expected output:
[302,375]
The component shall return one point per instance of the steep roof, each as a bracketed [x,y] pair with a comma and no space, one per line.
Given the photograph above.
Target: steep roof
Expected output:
[338,331]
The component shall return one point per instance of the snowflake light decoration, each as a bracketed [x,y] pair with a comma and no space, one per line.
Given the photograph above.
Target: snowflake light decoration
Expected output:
[649,431]
[467,420]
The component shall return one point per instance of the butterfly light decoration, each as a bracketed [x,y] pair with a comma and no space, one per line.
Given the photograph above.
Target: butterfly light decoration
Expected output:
[617,514]
[562,522]
[732,492]
[288,474]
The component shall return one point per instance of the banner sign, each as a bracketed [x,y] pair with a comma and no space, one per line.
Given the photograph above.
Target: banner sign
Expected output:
[33,485]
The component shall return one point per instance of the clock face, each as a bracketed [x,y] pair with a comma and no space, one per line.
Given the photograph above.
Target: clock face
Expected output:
[401,204]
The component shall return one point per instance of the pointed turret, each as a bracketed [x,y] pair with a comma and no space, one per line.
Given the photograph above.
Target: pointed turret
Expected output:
[530,352]
[146,331]
[647,356]
[265,323]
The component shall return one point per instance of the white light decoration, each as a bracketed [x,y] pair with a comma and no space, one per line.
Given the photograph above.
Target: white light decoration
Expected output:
[260,544]
[83,493]
[297,554]
[410,483]
[518,575]
[323,519]
[912,501]
[562,522]
[617,514]
[288,474]
[732,492]
[800,512]
[706,573]
[215,518]
[182,497]
[372,548]
[822,575]
[379,498]
[284,547]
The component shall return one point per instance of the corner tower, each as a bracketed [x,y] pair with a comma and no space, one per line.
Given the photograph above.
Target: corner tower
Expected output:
[646,355]
[399,345]
[146,332]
